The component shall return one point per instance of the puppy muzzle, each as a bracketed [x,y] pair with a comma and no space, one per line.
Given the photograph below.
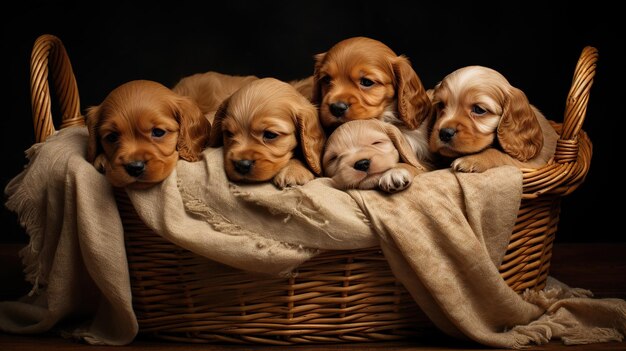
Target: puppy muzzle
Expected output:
[362,165]
[243,167]
[446,134]
[135,168]
[338,109]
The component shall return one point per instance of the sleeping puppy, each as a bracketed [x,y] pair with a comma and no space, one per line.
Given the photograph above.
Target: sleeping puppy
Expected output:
[483,122]
[361,78]
[140,130]
[261,126]
[370,154]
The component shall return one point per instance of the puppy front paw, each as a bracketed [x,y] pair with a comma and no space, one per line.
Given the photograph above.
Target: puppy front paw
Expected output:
[395,179]
[100,163]
[292,176]
[469,164]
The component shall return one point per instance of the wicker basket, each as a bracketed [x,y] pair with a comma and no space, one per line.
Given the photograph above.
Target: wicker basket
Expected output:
[343,296]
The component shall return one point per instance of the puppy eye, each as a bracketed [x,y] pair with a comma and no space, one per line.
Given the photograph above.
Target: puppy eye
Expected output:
[269,135]
[112,138]
[366,82]
[332,158]
[158,132]
[228,134]
[477,110]
[378,142]
[325,80]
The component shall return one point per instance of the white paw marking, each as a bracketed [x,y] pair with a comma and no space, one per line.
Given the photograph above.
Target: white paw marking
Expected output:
[465,164]
[394,180]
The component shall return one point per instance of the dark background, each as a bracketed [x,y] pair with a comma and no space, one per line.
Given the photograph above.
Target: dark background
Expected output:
[534,46]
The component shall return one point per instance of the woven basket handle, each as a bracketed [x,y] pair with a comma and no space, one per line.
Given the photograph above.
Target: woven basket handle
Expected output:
[576,106]
[49,52]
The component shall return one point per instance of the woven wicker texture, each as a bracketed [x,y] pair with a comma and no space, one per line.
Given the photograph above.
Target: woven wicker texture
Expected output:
[343,296]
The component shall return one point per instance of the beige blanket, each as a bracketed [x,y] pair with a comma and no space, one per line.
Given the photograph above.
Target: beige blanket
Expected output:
[444,238]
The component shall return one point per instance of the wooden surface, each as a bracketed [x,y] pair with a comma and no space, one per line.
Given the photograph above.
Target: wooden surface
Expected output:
[20,343]
[600,268]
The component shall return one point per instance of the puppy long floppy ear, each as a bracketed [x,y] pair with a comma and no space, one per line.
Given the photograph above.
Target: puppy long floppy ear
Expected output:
[95,152]
[404,149]
[92,119]
[312,137]
[194,129]
[216,139]
[519,131]
[316,96]
[413,103]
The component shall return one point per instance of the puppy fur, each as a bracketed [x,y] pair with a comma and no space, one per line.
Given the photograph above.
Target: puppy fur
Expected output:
[370,154]
[304,86]
[261,126]
[482,122]
[362,78]
[210,89]
[140,130]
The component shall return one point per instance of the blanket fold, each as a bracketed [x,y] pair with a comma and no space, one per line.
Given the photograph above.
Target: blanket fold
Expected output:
[75,258]
[444,238]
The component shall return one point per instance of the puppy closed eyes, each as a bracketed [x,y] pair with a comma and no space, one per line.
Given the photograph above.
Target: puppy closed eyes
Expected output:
[139,132]
[370,154]
[361,78]
[483,122]
[261,126]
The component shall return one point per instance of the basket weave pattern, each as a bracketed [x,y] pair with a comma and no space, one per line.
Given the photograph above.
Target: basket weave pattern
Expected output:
[342,296]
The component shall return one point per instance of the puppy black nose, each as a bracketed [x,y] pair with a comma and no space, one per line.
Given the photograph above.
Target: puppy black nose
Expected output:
[362,165]
[243,166]
[446,134]
[338,109]
[135,168]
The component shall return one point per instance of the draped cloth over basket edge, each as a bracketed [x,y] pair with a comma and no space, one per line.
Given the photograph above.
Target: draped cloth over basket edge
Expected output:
[77,245]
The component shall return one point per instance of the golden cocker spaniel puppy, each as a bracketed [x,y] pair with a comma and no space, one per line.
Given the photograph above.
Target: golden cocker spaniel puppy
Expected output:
[140,130]
[265,127]
[362,78]
[370,154]
[484,122]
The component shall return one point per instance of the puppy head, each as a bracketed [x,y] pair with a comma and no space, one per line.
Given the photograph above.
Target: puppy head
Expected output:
[140,130]
[476,106]
[358,150]
[261,125]
[361,78]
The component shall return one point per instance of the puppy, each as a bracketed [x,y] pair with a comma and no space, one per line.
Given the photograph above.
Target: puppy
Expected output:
[304,86]
[361,78]
[483,122]
[260,127]
[140,130]
[366,154]
[210,89]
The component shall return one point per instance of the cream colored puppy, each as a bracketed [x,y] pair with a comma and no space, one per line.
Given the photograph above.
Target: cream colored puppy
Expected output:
[370,154]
